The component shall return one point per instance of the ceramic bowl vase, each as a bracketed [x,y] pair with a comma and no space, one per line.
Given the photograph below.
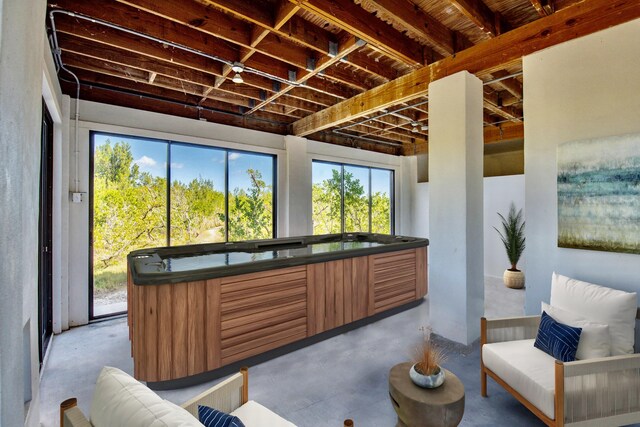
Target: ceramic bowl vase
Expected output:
[427,381]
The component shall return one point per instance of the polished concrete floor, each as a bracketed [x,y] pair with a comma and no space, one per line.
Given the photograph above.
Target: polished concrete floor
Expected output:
[316,386]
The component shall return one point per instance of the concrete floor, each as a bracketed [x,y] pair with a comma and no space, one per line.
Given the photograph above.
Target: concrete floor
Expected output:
[319,385]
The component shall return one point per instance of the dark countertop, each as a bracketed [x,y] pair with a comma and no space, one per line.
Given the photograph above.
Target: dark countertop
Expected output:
[177,264]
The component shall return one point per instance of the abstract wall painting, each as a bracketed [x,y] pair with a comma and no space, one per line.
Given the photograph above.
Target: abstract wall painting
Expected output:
[599,194]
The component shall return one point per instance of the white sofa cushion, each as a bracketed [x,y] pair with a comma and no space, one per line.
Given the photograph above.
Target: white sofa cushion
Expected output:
[594,339]
[526,369]
[253,414]
[599,304]
[119,400]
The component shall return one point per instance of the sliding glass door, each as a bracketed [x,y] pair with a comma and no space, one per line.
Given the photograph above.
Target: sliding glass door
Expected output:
[129,212]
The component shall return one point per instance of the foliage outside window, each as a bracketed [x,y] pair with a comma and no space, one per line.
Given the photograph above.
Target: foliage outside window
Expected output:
[134,206]
[349,198]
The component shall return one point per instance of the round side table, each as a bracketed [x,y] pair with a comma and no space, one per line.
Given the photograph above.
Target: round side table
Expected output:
[421,407]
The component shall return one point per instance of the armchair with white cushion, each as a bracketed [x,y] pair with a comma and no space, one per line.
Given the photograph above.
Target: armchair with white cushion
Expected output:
[120,400]
[603,388]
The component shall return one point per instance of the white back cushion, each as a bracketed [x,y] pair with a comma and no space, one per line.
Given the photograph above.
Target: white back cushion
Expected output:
[594,338]
[119,400]
[599,304]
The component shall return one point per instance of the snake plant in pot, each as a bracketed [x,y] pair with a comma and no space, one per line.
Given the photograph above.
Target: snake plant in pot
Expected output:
[512,236]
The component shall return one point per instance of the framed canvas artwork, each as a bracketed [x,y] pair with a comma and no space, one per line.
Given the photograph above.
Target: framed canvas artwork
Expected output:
[599,194]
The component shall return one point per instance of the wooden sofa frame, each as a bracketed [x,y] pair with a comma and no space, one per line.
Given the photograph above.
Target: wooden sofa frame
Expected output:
[226,396]
[604,391]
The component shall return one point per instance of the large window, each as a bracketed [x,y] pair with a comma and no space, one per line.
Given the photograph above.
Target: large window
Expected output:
[348,198]
[150,193]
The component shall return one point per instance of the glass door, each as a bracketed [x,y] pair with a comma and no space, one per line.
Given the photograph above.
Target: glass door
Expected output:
[129,203]
[45,236]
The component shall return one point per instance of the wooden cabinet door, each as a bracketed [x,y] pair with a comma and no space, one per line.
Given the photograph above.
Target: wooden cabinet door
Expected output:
[262,311]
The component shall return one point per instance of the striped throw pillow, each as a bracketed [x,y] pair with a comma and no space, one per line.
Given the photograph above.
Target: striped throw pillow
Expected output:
[557,339]
[213,418]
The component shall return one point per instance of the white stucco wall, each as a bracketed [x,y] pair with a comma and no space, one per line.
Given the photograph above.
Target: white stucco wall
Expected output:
[586,88]
[21,50]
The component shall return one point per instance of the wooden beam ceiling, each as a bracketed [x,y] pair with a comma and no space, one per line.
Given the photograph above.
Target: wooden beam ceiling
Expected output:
[355,20]
[492,135]
[320,64]
[479,13]
[575,21]
[543,7]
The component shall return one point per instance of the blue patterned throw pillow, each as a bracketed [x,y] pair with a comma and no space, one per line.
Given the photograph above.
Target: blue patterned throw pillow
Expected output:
[557,339]
[213,418]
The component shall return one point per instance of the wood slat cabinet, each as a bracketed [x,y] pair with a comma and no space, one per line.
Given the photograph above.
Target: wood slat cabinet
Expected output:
[184,329]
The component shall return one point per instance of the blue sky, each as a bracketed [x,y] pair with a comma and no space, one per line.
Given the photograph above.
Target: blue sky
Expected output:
[192,161]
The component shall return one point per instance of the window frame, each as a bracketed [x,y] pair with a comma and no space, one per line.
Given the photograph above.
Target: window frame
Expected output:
[169,143]
[392,198]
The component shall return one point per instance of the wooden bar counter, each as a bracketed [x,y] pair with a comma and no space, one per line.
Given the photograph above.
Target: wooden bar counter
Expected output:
[185,328]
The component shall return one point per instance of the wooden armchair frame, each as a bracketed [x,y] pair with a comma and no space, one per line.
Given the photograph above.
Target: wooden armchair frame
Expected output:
[604,391]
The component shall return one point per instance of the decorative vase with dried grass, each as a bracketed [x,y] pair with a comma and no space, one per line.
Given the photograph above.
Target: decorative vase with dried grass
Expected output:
[427,370]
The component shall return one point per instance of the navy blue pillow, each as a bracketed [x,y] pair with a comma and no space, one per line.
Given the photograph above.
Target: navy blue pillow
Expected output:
[213,418]
[556,339]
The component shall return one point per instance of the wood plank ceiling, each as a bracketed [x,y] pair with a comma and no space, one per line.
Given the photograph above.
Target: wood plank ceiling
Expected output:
[332,70]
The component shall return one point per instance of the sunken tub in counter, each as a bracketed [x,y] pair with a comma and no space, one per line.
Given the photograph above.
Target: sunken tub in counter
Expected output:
[197,308]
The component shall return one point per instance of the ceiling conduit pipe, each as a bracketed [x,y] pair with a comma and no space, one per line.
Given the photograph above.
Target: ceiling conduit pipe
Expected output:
[383,114]
[377,141]
[164,43]
[57,53]
[171,101]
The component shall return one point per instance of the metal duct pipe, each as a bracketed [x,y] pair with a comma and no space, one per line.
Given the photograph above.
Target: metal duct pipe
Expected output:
[171,101]
[161,41]
[384,114]
[377,141]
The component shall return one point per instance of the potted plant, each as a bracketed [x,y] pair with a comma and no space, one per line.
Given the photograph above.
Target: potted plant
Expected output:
[427,371]
[512,236]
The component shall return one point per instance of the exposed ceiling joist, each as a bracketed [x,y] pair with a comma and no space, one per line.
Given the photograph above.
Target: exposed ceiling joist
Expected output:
[543,7]
[414,19]
[355,20]
[344,48]
[479,13]
[575,21]
[492,135]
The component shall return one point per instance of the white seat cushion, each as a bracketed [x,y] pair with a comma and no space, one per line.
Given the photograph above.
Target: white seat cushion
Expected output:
[253,414]
[599,304]
[526,369]
[595,340]
[119,400]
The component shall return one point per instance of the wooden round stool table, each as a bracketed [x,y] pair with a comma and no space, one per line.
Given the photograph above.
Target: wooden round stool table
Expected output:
[422,407]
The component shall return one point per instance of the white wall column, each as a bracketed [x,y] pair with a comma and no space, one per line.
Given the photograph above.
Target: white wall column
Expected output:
[298,186]
[456,267]
[21,52]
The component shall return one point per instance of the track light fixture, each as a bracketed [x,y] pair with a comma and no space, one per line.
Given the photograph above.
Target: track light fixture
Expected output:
[237,67]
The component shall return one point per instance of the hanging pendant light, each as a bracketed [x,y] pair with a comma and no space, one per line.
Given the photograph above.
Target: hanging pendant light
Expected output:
[237,78]
[237,67]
